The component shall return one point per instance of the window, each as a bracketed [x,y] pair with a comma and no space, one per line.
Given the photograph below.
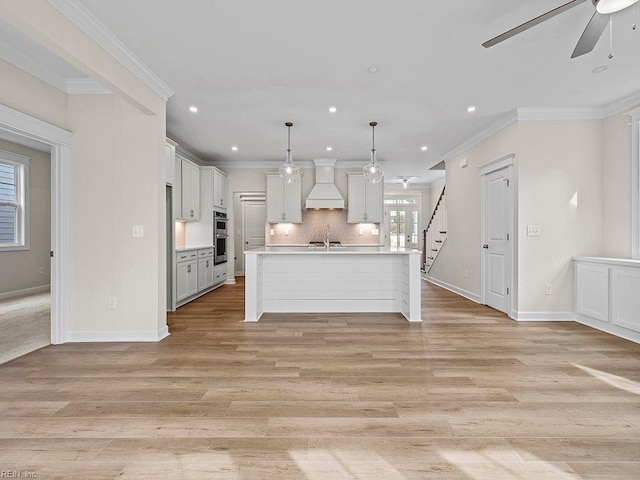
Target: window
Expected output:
[14,187]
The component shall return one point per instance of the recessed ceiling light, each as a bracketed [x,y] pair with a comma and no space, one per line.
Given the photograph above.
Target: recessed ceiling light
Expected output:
[599,69]
[234,148]
[333,109]
[329,149]
[424,148]
[193,109]
[373,69]
[471,108]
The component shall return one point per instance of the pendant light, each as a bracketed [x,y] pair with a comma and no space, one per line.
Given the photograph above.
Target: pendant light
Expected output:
[288,171]
[373,172]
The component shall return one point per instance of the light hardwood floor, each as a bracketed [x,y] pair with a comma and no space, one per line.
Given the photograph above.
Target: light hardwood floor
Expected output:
[467,395]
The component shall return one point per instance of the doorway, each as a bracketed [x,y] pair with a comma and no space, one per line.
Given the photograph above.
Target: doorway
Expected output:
[25,236]
[251,209]
[26,129]
[402,221]
[497,236]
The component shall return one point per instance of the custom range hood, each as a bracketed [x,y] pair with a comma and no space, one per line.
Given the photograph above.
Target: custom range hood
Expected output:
[324,193]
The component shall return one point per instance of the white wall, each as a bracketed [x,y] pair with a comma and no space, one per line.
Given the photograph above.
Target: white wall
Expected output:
[617,187]
[20,269]
[114,186]
[117,178]
[463,247]
[560,189]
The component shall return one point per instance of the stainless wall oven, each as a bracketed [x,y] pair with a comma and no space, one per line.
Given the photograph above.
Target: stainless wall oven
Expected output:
[220,237]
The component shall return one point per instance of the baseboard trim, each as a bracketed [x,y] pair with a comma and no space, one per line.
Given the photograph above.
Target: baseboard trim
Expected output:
[543,316]
[230,281]
[118,336]
[24,292]
[452,288]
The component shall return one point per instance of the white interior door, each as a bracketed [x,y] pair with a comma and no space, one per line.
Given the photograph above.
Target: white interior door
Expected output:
[254,217]
[497,239]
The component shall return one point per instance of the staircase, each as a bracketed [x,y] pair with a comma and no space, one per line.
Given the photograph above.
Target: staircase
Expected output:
[435,234]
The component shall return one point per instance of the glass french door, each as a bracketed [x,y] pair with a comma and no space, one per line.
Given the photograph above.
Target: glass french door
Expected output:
[403,226]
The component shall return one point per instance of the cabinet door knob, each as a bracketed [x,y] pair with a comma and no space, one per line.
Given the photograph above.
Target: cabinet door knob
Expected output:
[207,265]
[188,268]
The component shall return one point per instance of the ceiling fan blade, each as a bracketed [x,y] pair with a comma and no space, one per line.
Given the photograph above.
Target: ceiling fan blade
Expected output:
[532,23]
[591,34]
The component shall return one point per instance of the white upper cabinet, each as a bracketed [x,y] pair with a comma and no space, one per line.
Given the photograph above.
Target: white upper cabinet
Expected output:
[190,191]
[170,161]
[364,200]
[219,190]
[284,200]
[177,188]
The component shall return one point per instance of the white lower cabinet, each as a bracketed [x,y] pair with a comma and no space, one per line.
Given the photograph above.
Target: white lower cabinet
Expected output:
[220,274]
[205,273]
[196,274]
[606,295]
[187,279]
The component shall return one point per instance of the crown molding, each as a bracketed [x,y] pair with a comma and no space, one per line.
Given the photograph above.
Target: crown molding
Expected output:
[86,86]
[90,25]
[622,105]
[190,156]
[508,119]
[534,113]
[277,163]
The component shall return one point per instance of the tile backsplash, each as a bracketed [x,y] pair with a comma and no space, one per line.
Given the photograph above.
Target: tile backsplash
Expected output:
[313,228]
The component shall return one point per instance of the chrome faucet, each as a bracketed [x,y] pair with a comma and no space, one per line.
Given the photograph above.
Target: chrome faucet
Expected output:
[326,238]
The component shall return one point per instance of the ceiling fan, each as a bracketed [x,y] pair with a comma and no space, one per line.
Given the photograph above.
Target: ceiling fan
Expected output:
[591,34]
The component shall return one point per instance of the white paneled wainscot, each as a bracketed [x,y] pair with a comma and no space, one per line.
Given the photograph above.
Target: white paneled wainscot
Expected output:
[607,295]
[299,279]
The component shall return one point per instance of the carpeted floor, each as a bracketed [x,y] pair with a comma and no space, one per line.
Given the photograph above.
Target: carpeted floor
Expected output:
[25,325]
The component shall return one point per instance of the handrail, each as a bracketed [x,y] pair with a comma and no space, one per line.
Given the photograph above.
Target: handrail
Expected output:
[435,209]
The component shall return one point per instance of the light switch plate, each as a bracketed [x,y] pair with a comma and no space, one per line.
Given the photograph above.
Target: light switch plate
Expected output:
[138,231]
[272,232]
[375,231]
[533,231]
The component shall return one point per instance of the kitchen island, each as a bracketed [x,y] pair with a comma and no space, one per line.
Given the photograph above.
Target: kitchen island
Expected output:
[338,280]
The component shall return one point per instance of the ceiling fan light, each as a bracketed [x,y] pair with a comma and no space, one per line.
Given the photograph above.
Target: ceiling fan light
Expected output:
[606,7]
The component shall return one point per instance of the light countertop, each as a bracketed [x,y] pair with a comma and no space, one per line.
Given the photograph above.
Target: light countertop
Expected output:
[625,262]
[332,251]
[199,247]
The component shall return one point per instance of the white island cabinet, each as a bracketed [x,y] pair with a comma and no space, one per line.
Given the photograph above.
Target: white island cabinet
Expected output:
[352,279]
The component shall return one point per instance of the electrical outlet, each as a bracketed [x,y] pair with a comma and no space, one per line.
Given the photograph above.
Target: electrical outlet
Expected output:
[547,289]
[113,302]
[362,231]
[138,231]
[375,231]
[41,270]
[272,232]
[533,231]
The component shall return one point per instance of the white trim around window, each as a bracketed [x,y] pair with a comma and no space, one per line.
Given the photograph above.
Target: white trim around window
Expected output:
[21,235]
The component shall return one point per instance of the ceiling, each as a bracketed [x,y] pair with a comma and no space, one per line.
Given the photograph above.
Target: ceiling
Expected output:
[251,65]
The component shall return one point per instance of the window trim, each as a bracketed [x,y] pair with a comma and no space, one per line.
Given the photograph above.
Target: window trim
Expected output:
[22,182]
[635,183]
